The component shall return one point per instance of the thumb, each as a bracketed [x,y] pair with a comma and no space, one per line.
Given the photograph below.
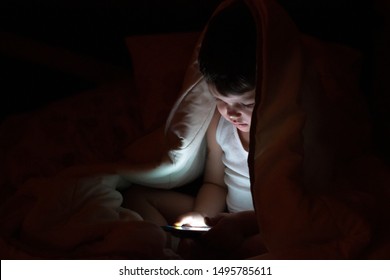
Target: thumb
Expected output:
[212,221]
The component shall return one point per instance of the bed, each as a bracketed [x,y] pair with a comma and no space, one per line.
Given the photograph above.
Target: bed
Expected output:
[65,165]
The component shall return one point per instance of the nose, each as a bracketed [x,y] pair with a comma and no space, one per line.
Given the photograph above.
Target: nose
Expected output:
[233,113]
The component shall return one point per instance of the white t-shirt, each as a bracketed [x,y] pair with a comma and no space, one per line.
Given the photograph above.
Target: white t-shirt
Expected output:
[239,197]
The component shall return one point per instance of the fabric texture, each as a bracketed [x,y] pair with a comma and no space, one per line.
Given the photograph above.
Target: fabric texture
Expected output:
[159,62]
[298,146]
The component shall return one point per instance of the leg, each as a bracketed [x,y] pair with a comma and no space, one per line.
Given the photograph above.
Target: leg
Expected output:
[159,206]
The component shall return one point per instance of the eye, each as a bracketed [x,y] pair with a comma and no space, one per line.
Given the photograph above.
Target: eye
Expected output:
[250,105]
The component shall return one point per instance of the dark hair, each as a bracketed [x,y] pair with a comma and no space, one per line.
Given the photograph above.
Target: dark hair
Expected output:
[227,57]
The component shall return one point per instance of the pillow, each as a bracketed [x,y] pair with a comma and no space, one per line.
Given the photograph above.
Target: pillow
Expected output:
[181,146]
[159,63]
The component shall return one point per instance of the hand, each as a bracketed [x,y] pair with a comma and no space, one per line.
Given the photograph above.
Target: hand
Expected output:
[232,236]
[236,234]
[220,242]
[226,232]
[194,219]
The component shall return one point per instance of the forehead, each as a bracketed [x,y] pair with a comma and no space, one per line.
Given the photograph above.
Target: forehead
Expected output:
[246,96]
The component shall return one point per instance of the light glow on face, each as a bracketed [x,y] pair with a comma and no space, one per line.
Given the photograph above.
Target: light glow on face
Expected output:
[236,109]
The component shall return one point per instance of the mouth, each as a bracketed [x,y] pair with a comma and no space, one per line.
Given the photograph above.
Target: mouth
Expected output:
[237,122]
[240,124]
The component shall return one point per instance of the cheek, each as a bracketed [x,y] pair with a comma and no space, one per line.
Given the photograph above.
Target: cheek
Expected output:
[221,108]
[248,114]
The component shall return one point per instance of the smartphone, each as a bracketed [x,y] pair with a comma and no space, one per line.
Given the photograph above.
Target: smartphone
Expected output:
[186,231]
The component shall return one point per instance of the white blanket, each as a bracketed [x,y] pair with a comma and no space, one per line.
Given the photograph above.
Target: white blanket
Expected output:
[73,217]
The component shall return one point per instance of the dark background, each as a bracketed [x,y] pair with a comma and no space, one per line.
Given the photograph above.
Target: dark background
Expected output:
[34,32]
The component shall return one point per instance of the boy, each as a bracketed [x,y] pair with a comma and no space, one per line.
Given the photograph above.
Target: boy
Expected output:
[227,59]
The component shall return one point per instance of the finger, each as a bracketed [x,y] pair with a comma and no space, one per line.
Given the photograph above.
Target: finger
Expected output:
[212,221]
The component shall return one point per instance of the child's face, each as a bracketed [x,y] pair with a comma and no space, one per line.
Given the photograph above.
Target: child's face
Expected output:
[236,109]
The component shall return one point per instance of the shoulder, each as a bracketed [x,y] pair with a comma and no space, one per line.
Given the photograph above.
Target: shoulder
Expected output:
[212,129]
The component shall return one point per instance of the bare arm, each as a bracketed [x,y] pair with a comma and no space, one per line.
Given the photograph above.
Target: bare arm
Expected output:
[211,198]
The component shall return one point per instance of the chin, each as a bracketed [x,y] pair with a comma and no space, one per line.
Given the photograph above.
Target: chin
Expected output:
[246,128]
